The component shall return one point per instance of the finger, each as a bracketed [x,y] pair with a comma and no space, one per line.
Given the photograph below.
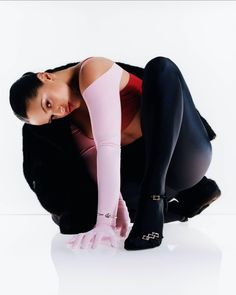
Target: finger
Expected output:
[124,231]
[113,241]
[86,240]
[97,240]
[119,227]
[118,224]
[77,242]
[71,241]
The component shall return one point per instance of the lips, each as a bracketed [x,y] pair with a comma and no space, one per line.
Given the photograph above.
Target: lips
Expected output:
[69,108]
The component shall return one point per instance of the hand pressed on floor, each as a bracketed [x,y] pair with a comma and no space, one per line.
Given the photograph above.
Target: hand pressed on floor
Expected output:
[94,237]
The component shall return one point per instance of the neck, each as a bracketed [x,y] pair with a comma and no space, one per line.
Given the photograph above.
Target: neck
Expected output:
[70,77]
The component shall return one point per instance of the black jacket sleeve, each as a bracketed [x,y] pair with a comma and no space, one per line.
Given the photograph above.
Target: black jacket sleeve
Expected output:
[59,177]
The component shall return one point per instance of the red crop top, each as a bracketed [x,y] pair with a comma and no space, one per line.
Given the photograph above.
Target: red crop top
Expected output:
[130,100]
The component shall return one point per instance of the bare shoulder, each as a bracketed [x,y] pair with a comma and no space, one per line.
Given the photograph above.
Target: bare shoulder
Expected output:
[91,69]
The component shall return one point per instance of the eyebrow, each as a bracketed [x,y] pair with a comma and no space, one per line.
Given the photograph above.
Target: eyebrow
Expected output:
[50,120]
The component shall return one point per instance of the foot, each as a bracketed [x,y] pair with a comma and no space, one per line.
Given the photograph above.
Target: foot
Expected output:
[173,213]
[194,200]
[148,225]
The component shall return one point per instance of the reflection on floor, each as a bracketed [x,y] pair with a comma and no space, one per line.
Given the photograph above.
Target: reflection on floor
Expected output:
[196,257]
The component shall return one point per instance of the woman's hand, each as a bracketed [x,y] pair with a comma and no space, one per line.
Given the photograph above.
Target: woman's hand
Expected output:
[95,235]
[123,219]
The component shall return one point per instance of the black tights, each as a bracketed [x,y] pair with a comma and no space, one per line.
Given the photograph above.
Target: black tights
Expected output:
[177,149]
[174,151]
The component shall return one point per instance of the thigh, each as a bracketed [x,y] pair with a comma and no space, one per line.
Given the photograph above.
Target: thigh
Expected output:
[193,151]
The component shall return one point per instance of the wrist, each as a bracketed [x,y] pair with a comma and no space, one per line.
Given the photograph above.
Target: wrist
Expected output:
[105,219]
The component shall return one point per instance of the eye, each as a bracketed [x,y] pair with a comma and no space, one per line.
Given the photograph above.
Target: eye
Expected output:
[48,103]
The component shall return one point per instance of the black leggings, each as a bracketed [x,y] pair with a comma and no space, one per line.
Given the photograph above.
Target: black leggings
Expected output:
[174,152]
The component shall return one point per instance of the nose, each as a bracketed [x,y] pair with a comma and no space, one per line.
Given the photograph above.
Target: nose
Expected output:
[61,110]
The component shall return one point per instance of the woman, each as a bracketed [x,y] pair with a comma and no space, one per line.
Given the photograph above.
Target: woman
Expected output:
[158,113]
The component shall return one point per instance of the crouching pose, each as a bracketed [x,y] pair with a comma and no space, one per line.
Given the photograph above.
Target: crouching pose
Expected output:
[115,109]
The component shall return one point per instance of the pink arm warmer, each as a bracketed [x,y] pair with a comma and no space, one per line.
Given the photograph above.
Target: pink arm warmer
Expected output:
[102,98]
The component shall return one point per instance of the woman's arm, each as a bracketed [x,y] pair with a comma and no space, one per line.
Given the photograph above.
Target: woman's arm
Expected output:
[99,82]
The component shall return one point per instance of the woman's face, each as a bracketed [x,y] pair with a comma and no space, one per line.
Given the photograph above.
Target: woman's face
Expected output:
[53,100]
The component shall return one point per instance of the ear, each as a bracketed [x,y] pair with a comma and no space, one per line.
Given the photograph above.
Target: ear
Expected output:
[44,76]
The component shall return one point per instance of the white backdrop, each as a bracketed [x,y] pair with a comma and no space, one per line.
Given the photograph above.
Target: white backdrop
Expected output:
[198,36]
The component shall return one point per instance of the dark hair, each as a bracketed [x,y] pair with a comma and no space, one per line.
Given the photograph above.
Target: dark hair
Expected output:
[25,89]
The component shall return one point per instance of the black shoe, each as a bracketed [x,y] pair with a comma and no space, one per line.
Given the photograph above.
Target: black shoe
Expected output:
[194,200]
[148,226]
[173,213]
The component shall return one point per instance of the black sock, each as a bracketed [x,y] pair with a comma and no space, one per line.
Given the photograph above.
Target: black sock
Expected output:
[148,225]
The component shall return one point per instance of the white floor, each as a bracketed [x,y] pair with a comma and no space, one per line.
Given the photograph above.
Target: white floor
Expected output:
[197,257]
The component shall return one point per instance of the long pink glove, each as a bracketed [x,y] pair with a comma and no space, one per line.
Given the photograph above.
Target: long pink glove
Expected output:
[102,98]
[123,219]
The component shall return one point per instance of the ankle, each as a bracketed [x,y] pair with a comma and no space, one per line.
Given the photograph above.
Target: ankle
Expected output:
[162,199]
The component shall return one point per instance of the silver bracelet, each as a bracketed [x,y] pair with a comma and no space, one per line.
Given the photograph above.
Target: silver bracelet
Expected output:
[107,215]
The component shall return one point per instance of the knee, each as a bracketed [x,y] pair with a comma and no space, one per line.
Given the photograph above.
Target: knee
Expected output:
[161,64]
